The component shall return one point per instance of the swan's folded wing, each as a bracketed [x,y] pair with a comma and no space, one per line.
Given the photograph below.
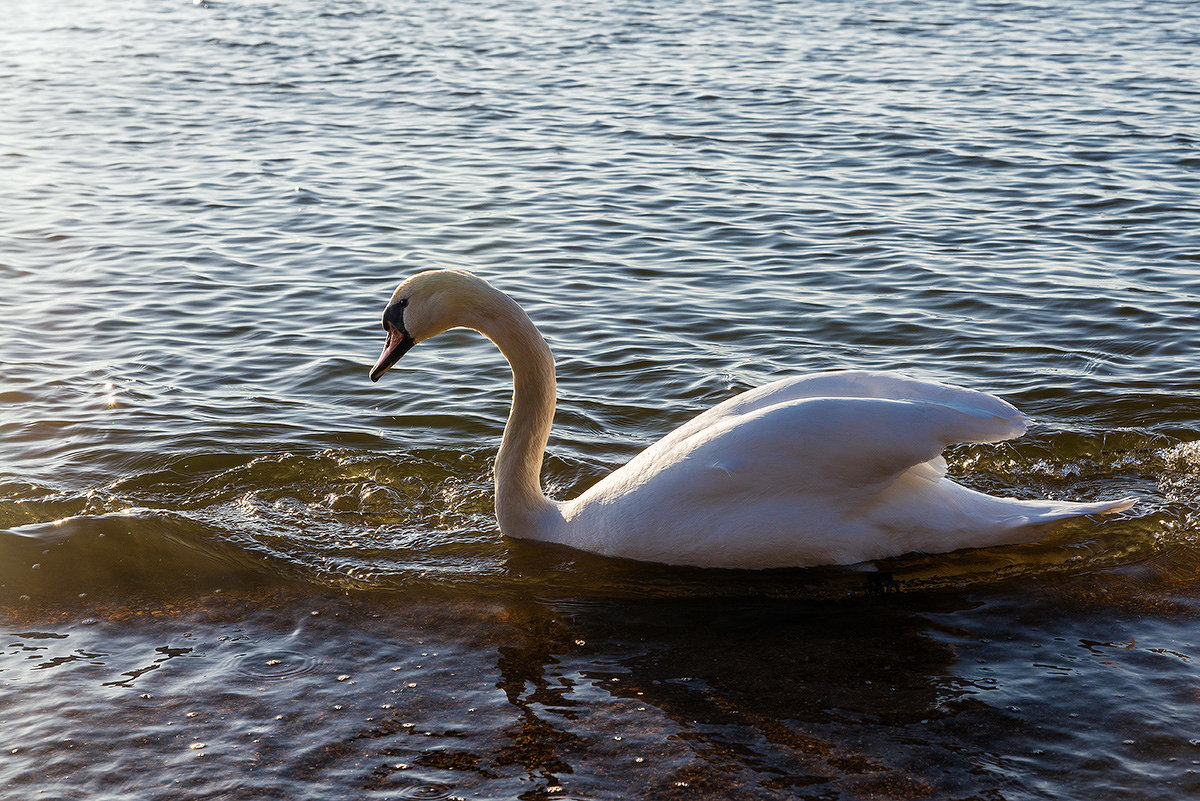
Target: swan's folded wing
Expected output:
[842,443]
[843,384]
[863,384]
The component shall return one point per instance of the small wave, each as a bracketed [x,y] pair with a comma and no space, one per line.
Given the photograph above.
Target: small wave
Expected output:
[134,550]
[339,519]
[352,520]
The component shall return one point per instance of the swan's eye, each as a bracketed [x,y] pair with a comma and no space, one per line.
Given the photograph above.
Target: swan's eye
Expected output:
[393,316]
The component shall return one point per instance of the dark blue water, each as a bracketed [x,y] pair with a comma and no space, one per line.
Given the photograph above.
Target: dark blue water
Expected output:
[231,567]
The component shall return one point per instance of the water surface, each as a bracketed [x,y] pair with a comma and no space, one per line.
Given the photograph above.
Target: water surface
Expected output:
[231,567]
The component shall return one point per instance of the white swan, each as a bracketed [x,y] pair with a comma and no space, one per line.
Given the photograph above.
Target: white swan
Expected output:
[826,468]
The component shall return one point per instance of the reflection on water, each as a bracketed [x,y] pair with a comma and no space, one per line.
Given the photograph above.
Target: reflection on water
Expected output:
[283,693]
[233,568]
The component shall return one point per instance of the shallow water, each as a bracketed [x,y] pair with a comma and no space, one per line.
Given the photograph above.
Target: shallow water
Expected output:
[231,567]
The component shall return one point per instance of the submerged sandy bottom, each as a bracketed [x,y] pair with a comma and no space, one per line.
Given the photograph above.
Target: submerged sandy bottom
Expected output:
[278,691]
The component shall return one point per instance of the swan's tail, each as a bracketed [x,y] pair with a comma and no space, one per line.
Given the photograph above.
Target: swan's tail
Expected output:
[1019,521]
[1040,512]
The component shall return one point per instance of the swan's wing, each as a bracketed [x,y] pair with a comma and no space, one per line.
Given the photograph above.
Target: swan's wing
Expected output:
[849,384]
[826,445]
[753,480]
[777,440]
[865,384]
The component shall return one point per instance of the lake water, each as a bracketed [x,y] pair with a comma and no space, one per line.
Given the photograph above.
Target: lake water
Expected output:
[231,567]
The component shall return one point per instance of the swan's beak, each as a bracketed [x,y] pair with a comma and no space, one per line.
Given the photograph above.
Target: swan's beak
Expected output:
[398,343]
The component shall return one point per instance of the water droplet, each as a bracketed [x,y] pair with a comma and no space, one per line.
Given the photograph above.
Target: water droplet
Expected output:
[426,791]
[277,666]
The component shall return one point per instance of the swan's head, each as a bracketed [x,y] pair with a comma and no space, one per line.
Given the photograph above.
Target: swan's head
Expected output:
[429,303]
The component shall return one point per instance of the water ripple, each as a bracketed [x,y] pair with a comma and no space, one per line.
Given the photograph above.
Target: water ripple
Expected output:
[275,665]
[206,205]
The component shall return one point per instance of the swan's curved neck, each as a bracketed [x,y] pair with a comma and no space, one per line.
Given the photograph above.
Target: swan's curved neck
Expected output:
[521,507]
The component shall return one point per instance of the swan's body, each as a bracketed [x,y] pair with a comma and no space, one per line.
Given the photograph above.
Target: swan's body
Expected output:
[826,468]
